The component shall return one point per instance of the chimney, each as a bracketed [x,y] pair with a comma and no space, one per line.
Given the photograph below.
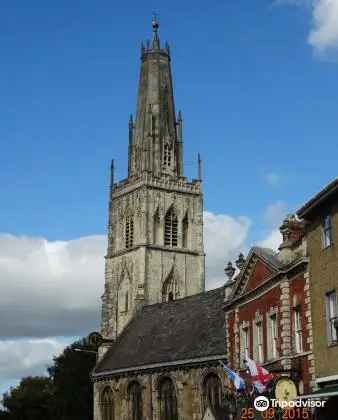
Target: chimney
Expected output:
[292,230]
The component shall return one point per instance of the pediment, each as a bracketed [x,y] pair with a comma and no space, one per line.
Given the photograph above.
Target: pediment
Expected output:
[260,265]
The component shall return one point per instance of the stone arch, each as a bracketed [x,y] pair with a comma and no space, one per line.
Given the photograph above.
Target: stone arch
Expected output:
[170,286]
[157,227]
[171,227]
[185,230]
[134,399]
[212,389]
[124,289]
[168,397]
[107,404]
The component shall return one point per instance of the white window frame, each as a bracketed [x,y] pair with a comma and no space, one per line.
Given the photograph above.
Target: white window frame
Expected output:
[245,336]
[331,316]
[298,333]
[327,231]
[260,341]
[274,334]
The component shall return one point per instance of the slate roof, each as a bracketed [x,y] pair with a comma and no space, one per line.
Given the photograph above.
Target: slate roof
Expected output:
[269,255]
[184,329]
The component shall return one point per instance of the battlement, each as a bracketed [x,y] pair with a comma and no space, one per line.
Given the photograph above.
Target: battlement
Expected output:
[164,182]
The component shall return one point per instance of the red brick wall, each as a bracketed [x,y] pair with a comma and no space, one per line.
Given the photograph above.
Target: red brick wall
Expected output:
[263,305]
[258,275]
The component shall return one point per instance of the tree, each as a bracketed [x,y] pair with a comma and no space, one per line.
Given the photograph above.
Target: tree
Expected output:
[67,394]
[32,399]
[70,373]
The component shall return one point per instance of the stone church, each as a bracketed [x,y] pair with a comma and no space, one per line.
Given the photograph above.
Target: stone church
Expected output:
[163,334]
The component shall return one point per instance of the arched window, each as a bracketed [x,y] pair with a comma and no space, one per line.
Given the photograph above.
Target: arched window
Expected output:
[168,400]
[212,390]
[107,404]
[156,227]
[135,396]
[170,229]
[166,155]
[129,232]
[185,227]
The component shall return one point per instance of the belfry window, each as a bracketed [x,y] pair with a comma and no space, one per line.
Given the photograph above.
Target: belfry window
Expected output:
[107,404]
[135,398]
[168,400]
[170,229]
[212,390]
[167,155]
[129,232]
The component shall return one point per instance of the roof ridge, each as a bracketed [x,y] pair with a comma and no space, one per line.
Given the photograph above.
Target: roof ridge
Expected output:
[183,299]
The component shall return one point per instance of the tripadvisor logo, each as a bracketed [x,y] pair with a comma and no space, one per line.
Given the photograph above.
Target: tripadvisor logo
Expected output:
[297,403]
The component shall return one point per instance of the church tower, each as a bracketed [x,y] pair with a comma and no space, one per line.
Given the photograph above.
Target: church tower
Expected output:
[155,238]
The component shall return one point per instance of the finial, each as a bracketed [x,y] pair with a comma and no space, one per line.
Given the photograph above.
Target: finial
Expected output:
[230,270]
[112,172]
[155,23]
[155,45]
[179,118]
[240,262]
[131,122]
[199,163]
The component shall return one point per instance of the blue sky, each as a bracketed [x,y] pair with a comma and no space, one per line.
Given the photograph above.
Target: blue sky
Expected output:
[254,98]
[258,103]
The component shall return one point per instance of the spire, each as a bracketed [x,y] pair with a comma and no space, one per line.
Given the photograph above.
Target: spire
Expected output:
[155,44]
[155,136]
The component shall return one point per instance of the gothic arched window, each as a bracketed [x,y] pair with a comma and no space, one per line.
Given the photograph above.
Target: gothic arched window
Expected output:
[212,390]
[107,404]
[135,396]
[156,228]
[129,231]
[168,400]
[185,227]
[167,155]
[170,229]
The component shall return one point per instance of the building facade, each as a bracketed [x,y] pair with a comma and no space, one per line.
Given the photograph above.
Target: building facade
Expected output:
[321,216]
[268,309]
[155,235]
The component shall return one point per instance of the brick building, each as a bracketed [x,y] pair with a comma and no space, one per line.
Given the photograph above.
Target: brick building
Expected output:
[321,216]
[267,308]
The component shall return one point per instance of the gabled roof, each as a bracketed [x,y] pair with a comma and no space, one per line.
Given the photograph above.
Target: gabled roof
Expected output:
[185,329]
[269,258]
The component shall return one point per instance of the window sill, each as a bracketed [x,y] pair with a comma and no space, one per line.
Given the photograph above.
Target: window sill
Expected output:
[324,248]
[123,312]
[333,345]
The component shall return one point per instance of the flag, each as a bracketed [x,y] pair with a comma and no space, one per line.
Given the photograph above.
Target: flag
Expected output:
[236,379]
[259,376]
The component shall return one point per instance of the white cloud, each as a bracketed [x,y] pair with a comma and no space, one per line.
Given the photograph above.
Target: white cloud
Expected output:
[51,289]
[272,241]
[224,239]
[271,177]
[27,356]
[323,36]
[275,214]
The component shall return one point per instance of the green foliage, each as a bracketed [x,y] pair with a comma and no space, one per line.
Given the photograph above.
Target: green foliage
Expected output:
[32,399]
[65,395]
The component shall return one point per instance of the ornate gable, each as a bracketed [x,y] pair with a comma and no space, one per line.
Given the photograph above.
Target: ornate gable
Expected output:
[260,264]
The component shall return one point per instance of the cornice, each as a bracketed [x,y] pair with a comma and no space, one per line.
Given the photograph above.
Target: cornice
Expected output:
[290,272]
[160,368]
